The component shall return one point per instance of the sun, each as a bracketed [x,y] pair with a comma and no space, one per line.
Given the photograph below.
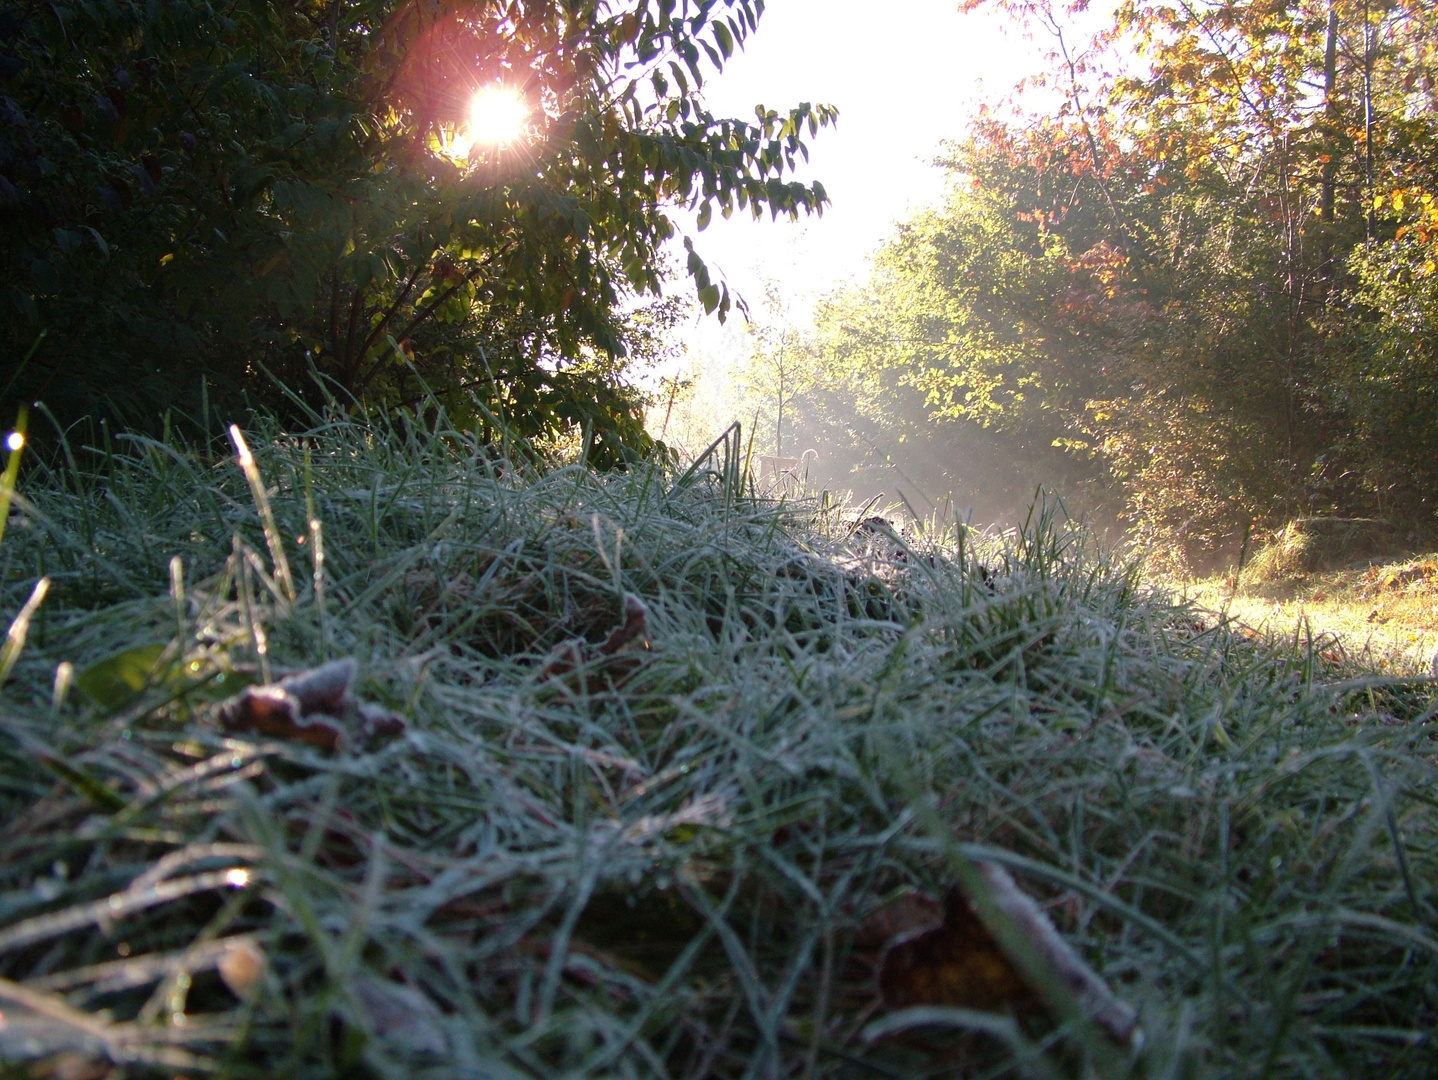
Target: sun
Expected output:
[497,115]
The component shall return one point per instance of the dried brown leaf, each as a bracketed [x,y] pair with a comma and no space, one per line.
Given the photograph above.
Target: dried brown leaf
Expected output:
[957,963]
[401,1015]
[960,964]
[313,706]
[270,710]
[909,912]
[570,654]
[635,625]
[322,689]
[564,658]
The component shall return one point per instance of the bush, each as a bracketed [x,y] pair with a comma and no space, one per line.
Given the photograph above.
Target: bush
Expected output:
[208,209]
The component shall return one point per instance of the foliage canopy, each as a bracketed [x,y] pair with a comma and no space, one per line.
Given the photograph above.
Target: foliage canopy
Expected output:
[194,190]
[1206,277]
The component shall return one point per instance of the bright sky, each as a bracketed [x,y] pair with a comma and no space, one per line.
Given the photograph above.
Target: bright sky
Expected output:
[905,75]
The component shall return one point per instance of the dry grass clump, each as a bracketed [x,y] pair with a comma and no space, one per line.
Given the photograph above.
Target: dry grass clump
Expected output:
[1307,545]
[1383,612]
[681,856]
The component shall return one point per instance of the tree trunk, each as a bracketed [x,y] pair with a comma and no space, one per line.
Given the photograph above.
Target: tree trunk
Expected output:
[1331,120]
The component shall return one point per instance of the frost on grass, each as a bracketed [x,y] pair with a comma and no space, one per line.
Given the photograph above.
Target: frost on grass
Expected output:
[682,772]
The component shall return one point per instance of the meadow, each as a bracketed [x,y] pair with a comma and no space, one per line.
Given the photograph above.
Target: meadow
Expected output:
[637,774]
[1381,609]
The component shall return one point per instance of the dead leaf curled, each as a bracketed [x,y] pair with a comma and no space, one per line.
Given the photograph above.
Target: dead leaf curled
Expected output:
[960,964]
[313,706]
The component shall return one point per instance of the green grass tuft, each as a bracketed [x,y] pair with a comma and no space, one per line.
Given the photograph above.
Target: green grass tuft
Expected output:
[656,862]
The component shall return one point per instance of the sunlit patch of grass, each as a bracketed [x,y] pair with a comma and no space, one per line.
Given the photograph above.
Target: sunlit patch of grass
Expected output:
[1384,613]
[656,862]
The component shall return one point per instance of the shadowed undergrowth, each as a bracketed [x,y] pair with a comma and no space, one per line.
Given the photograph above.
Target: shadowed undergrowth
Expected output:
[663,859]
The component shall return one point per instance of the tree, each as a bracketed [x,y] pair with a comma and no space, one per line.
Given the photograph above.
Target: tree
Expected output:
[1320,117]
[1203,280]
[969,352]
[285,188]
[777,364]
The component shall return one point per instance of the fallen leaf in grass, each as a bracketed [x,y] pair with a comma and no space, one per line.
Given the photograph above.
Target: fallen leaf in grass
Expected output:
[400,1015]
[957,963]
[270,710]
[241,967]
[961,964]
[564,658]
[635,625]
[322,689]
[902,915]
[377,722]
[883,921]
[568,655]
[115,681]
[313,707]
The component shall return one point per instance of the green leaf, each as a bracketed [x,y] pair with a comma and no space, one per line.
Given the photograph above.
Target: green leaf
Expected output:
[705,213]
[117,680]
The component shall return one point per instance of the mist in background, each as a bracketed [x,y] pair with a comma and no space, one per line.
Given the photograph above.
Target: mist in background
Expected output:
[827,430]
[905,84]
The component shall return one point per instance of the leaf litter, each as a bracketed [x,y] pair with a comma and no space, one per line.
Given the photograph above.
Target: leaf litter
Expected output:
[313,706]
[959,963]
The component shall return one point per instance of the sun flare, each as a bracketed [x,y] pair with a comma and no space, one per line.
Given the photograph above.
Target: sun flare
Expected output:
[496,116]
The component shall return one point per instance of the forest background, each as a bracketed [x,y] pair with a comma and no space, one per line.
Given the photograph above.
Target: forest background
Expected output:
[1185,275]
[1196,292]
